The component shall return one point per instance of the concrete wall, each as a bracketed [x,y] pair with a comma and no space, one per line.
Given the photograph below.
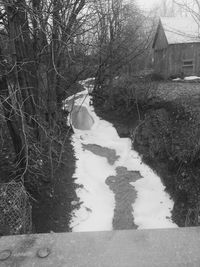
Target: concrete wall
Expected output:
[139,248]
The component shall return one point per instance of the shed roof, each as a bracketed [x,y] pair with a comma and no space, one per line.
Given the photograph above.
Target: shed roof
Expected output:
[180,30]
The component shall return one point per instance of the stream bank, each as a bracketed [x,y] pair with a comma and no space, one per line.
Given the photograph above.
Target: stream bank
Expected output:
[114,184]
[167,138]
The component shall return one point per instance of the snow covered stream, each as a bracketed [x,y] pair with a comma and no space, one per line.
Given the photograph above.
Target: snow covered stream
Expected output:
[100,154]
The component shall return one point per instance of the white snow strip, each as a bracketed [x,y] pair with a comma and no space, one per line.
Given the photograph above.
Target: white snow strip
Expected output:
[191,78]
[152,208]
[96,212]
[176,79]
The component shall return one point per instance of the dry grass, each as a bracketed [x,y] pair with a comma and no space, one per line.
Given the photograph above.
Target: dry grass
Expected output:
[176,91]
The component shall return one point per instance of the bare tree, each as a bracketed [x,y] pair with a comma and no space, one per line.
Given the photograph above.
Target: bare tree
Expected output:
[39,36]
[189,8]
[45,46]
[122,37]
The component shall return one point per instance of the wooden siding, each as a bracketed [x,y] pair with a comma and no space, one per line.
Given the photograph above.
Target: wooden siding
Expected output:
[175,60]
[169,62]
[161,62]
[180,53]
[160,41]
[160,46]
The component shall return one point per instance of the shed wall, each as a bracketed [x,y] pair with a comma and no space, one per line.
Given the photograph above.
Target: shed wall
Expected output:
[176,59]
[161,62]
[160,39]
[179,58]
[160,52]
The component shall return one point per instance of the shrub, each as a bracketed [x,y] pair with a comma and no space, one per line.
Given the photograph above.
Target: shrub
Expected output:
[125,93]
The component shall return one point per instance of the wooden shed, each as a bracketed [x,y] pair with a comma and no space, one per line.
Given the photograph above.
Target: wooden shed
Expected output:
[177,47]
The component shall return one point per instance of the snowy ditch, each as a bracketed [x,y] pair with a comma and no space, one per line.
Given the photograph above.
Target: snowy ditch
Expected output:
[118,191]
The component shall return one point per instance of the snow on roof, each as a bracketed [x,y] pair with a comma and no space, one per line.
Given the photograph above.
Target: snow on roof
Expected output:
[181,30]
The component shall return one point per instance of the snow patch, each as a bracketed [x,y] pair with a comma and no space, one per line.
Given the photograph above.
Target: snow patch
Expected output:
[176,79]
[191,78]
[96,212]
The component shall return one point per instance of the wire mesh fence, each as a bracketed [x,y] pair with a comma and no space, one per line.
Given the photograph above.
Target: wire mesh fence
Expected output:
[15,209]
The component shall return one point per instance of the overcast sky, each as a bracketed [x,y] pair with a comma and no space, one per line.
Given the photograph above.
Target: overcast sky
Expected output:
[147,4]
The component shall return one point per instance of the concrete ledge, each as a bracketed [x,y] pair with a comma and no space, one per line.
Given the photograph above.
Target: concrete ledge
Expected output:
[172,247]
